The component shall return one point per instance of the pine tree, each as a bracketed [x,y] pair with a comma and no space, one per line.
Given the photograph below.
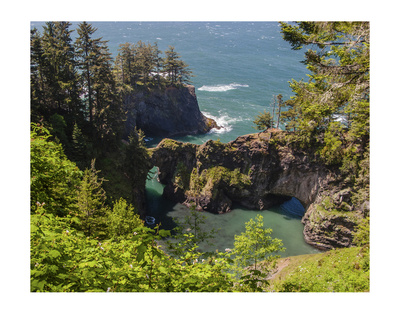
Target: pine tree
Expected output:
[104,106]
[86,48]
[337,91]
[38,108]
[91,199]
[123,66]
[54,84]
[78,147]
[263,121]
[176,70]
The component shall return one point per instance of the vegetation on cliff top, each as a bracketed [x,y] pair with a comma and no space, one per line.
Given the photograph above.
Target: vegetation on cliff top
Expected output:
[329,114]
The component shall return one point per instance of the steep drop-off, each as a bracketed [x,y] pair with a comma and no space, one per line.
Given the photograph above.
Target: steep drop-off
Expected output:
[259,171]
[166,112]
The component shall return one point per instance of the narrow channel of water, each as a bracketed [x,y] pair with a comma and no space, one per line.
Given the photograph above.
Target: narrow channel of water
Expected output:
[288,229]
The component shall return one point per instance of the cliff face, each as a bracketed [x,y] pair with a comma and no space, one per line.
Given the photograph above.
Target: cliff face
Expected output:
[259,171]
[167,112]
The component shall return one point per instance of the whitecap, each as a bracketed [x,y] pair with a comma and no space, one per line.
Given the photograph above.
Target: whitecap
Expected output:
[221,87]
[224,121]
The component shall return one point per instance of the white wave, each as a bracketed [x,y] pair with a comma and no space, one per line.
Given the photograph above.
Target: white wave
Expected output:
[224,121]
[221,87]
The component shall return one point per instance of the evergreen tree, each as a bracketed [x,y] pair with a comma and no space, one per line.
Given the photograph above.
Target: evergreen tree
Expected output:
[263,121]
[176,70]
[79,147]
[122,220]
[123,67]
[103,104]
[90,202]
[38,108]
[137,160]
[86,49]
[338,88]
[62,95]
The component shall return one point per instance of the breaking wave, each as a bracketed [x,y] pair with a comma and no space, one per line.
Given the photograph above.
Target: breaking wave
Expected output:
[224,121]
[221,87]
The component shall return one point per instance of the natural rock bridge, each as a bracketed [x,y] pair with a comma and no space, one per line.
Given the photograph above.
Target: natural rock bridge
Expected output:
[256,171]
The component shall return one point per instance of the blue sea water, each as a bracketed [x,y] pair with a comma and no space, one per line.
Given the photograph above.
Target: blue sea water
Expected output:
[238,68]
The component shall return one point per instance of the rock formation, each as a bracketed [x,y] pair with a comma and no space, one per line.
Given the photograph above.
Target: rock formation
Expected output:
[259,171]
[167,112]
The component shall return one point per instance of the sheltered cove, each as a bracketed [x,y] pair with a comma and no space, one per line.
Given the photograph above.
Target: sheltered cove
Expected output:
[259,171]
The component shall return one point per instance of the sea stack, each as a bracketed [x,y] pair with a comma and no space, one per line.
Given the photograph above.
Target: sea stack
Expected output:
[167,112]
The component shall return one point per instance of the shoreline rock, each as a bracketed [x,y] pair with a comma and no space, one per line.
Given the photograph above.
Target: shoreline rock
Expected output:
[259,171]
[167,112]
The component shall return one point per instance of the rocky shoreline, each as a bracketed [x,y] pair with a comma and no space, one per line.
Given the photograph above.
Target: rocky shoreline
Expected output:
[259,171]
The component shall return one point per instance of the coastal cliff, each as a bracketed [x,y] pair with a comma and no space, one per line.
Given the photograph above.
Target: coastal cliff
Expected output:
[166,112]
[259,171]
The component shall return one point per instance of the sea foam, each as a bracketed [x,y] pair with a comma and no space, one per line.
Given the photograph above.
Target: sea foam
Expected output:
[224,121]
[221,87]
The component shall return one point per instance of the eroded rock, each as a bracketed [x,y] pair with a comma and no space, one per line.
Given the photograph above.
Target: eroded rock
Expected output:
[259,171]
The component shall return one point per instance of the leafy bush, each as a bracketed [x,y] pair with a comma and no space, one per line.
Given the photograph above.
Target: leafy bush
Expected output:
[54,178]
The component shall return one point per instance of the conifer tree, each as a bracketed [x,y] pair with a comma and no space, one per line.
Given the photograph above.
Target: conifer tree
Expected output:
[104,108]
[337,90]
[54,85]
[86,48]
[91,202]
[38,108]
[124,66]
[176,70]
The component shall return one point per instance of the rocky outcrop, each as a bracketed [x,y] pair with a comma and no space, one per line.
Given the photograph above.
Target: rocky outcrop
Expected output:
[166,112]
[259,171]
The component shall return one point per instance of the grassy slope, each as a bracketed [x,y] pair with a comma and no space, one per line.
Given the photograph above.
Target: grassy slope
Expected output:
[340,270]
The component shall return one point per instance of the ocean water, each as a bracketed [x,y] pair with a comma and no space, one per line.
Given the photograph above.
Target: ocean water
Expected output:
[238,68]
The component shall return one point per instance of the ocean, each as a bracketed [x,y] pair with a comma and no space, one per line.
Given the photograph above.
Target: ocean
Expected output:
[238,68]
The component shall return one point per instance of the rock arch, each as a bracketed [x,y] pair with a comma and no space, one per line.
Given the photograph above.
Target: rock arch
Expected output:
[258,171]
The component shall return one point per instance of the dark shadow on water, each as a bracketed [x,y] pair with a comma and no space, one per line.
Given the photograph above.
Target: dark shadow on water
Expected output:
[159,207]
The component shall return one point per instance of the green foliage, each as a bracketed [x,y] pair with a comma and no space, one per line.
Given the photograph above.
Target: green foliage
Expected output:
[342,270]
[122,220]
[204,182]
[54,178]
[361,236]
[330,112]
[176,70]
[263,121]
[137,159]
[182,177]
[251,247]
[141,65]
[58,128]
[64,260]
[79,146]
[332,152]
[90,202]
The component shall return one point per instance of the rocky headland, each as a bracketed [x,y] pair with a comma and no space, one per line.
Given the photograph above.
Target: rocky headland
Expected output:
[259,171]
[166,112]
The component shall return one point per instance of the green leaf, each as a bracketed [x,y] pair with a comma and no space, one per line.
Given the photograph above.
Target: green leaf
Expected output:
[54,253]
